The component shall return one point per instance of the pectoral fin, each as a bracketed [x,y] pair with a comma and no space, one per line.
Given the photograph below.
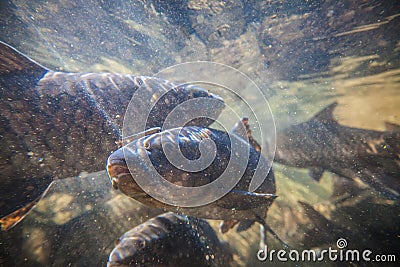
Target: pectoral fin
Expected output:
[9,221]
[226,225]
[244,225]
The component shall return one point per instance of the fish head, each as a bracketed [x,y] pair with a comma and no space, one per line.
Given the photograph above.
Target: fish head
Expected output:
[146,157]
[121,176]
[127,251]
[134,158]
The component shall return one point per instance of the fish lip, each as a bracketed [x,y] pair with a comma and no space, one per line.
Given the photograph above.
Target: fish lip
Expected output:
[116,169]
[122,179]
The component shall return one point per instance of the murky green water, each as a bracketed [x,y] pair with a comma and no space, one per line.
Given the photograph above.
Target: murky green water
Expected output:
[303,55]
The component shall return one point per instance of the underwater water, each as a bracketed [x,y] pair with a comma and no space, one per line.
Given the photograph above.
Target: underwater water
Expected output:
[303,55]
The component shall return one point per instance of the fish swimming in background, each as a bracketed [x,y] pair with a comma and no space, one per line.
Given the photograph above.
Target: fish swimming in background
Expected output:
[170,240]
[56,124]
[322,144]
[238,206]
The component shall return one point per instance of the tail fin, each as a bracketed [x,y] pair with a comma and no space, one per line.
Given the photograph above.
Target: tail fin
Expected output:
[12,62]
[18,78]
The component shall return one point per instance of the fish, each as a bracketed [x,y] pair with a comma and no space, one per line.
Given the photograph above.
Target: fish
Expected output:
[322,144]
[57,124]
[238,206]
[170,239]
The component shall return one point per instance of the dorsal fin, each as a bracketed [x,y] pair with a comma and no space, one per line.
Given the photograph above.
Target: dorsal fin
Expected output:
[242,130]
[131,138]
[326,115]
[316,173]
[12,61]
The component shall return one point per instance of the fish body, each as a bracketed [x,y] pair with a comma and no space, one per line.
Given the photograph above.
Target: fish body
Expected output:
[322,144]
[57,124]
[170,240]
[236,206]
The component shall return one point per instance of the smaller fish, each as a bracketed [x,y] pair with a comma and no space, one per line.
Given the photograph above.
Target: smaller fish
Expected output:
[170,240]
[322,144]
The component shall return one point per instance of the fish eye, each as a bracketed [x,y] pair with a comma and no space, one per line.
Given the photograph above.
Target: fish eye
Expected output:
[146,145]
[140,244]
[114,183]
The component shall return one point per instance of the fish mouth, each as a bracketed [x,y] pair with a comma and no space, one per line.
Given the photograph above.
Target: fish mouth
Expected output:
[117,168]
[120,175]
[116,172]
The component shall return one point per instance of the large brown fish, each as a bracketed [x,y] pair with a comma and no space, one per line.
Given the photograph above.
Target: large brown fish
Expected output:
[237,206]
[56,124]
